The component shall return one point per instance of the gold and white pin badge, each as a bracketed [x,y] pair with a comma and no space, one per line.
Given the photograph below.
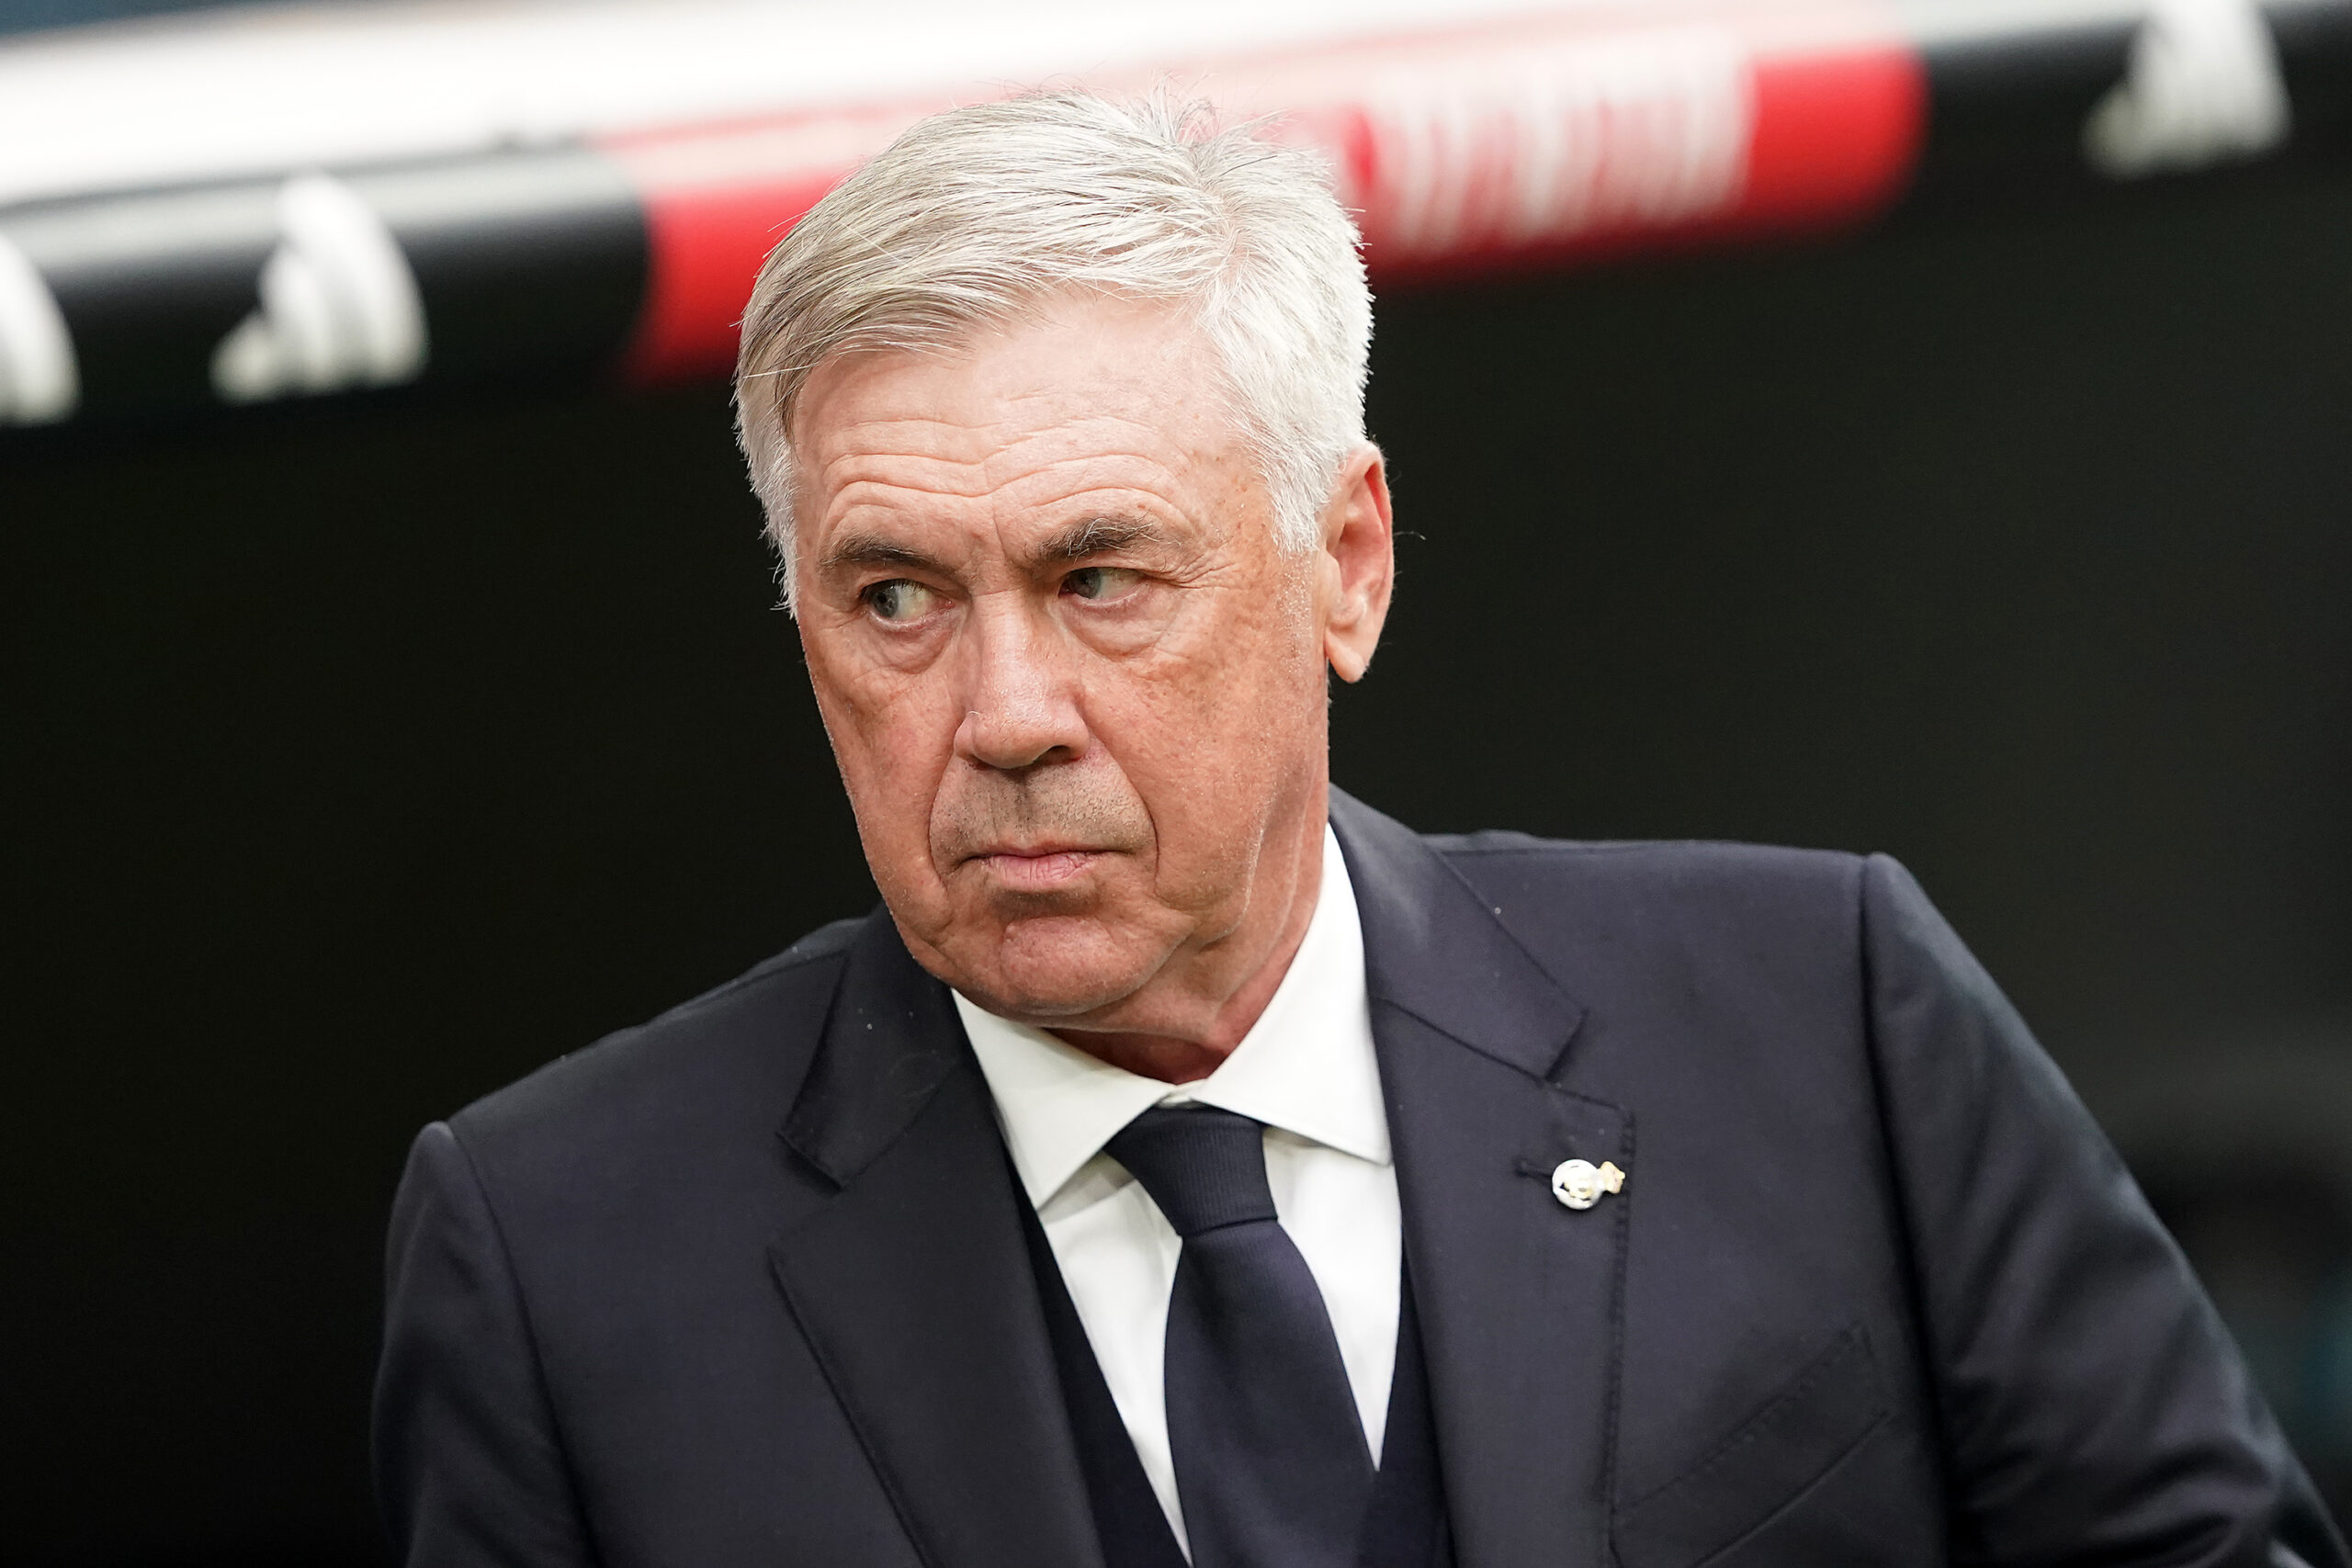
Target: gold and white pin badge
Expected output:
[1578,1183]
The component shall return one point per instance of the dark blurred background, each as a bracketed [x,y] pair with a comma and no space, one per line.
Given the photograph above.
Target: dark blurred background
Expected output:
[364,756]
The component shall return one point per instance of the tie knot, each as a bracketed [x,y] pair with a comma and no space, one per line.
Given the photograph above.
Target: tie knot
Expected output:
[1204,1168]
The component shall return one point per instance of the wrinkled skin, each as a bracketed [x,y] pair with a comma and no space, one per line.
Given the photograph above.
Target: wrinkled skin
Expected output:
[1075,687]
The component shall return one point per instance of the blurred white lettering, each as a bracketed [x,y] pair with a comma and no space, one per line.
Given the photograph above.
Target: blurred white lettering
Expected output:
[1569,139]
[339,306]
[2203,88]
[40,383]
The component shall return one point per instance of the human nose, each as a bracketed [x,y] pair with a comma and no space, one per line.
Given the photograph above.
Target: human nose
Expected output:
[1021,702]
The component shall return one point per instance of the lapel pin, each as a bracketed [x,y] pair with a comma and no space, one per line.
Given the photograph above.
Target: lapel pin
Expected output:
[1578,1183]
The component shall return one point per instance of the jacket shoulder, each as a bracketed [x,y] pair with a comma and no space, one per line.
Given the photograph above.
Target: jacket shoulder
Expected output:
[1624,923]
[1646,871]
[748,1039]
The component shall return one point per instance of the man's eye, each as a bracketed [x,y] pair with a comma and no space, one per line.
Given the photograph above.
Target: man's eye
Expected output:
[900,600]
[1100,582]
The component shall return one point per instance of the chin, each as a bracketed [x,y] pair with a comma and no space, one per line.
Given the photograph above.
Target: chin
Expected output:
[1052,968]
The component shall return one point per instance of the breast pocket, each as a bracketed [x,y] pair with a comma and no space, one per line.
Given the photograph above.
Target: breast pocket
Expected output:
[1769,1462]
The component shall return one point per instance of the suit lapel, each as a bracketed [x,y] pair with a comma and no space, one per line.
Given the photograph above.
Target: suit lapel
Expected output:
[912,1282]
[1518,1295]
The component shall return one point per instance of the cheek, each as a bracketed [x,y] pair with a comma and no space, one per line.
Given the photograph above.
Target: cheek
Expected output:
[893,735]
[1246,671]
[1214,735]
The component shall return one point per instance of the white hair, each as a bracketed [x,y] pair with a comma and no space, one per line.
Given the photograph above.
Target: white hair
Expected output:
[980,214]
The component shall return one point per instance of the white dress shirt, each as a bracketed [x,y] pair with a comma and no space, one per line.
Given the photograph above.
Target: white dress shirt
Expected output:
[1306,1070]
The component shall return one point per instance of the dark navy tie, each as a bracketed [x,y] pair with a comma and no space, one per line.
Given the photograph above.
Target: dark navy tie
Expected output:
[1270,1463]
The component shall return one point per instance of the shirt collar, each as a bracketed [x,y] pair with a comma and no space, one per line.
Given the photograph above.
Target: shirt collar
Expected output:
[1305,1066]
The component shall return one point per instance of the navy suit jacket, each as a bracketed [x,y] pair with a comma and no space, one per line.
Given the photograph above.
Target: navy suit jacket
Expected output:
[746,1287]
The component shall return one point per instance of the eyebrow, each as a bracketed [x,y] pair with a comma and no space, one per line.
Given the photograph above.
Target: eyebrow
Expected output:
[1087,536]
[1093,536]
[868,550]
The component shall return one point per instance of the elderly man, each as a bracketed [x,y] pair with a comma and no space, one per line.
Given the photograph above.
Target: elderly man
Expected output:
[1187,1162]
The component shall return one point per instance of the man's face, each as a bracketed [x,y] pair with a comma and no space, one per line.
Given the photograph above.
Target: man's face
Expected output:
[1075,687]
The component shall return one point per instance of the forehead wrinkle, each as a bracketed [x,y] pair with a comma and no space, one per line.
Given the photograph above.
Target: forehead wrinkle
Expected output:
[1039,450]
[872,509]
[898,468]
[872,530]
[992,463]
[1095,435]
[1110,486]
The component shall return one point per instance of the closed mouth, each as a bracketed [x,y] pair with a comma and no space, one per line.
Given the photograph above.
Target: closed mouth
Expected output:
[1038,868]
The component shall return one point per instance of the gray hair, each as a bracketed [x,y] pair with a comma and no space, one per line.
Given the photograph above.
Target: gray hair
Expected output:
[976,215]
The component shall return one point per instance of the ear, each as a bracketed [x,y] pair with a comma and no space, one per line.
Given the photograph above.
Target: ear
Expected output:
[1358,567]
